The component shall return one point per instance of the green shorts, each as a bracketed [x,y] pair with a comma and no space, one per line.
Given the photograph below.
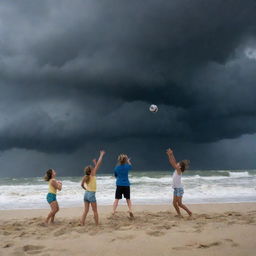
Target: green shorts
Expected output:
[51,197]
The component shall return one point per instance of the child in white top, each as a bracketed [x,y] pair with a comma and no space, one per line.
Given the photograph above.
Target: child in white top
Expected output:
[179,167]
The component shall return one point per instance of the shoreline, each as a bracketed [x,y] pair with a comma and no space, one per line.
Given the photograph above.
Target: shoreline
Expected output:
[123,203]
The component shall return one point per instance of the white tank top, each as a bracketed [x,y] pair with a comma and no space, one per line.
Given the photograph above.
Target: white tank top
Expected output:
[176,180]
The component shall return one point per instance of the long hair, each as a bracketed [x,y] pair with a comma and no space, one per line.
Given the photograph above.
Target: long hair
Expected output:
[87,171]
[48,175]
[122,159]
[184,165]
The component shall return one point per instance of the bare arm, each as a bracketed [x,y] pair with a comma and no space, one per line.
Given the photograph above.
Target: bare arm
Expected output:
[82,183]
[98,163]
[56,184]
[173,161]
[129,161]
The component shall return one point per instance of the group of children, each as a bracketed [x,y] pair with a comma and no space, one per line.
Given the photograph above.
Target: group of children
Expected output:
[122,186]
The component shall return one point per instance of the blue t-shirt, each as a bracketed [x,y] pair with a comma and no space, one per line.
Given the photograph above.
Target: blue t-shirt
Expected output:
[121,173]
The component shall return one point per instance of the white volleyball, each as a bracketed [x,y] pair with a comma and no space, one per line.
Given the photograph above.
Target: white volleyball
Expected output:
[153,108]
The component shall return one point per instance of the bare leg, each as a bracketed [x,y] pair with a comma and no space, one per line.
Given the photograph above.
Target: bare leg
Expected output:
[95,212]
[86,210]
[54,209]
[183,206]
[129,204]
[175,204]
[115,205]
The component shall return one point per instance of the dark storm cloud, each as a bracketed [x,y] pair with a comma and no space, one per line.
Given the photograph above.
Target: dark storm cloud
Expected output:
[74,72]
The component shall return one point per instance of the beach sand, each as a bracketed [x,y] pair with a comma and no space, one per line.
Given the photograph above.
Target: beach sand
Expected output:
[215,229]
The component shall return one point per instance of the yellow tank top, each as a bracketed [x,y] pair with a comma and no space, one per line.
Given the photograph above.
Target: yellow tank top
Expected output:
[91,186]
[52,189]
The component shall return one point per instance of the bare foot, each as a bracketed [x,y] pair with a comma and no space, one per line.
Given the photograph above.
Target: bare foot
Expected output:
[131,215]
[178,216]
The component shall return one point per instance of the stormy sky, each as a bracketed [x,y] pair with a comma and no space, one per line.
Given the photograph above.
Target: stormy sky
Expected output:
[79,76]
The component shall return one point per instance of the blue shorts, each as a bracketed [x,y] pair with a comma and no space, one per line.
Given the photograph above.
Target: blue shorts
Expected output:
[51,197]
[90,196]
[178,192]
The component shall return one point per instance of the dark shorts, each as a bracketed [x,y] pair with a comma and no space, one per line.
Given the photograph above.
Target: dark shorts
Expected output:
[122,190]
[51,198]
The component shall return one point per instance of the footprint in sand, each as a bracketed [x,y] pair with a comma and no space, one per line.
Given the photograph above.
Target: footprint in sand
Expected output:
[161,227]
[124,228]
[180,248]
[21,234]
[203,246]
[230,213]
[6,233]
[60,232]
[125,237]
[32,249]
[82,230]
[7,245]
[233,244]
[155,233]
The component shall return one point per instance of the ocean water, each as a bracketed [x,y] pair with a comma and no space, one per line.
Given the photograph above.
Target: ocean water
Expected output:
[146,188]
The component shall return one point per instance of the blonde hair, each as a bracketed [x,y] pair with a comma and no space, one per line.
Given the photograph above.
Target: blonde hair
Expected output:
[87,170]
[122,159]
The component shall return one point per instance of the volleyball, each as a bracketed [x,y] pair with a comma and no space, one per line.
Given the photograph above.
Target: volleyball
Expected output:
[153,108]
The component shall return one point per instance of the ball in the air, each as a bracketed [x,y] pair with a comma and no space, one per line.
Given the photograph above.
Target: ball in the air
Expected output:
[153,108]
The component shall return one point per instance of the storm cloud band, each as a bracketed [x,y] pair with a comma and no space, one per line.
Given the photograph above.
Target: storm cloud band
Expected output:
[73,72]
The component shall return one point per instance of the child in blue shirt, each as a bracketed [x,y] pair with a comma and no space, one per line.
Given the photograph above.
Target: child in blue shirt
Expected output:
[122,182]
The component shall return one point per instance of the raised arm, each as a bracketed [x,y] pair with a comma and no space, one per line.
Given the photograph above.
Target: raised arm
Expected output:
[172,160]
[98,163]
[129,161]
[94,162]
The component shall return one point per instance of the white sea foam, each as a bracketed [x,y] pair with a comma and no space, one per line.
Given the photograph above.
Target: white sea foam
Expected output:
[239,174]
[146,188]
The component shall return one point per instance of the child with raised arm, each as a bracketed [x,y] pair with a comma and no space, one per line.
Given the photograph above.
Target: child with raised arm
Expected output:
[178,192]
[122,182]
[54,186]
[89,185]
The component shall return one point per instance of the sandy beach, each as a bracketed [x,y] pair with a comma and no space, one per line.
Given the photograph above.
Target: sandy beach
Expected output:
[215,229]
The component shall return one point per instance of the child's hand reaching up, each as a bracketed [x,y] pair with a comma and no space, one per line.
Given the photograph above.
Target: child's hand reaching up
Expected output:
[169,152]
[94,161]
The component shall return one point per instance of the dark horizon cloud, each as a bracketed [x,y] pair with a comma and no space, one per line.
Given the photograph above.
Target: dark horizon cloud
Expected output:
[72,73]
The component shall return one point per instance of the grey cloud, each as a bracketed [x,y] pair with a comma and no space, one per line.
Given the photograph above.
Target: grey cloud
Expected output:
[75,72]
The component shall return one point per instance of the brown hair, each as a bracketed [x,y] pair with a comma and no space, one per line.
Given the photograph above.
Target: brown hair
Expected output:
[48,175]
[184,165]
[87,170]
[122,159]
